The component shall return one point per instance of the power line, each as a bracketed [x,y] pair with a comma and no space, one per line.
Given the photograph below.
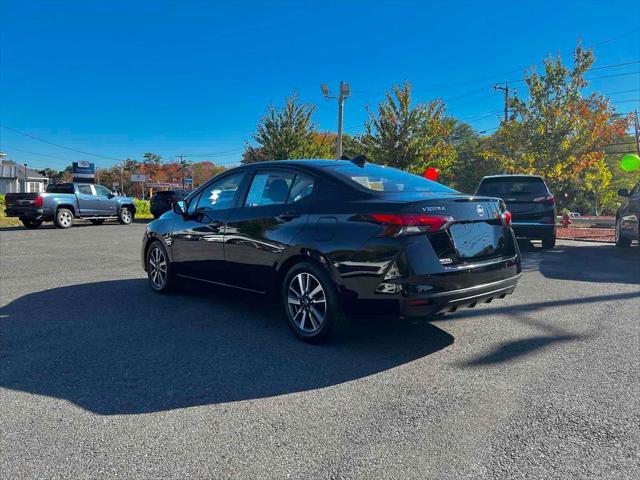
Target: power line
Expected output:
[492,77]
[214,154]
[36,153]
[58,145]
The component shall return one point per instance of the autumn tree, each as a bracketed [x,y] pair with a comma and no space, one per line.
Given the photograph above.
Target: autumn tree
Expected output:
[285,133]
[409,137]
[557,132]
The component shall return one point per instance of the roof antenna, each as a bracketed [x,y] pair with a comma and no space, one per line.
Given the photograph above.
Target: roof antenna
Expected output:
[360,160]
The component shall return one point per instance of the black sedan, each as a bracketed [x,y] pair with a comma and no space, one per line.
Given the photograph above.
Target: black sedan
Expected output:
[333,238]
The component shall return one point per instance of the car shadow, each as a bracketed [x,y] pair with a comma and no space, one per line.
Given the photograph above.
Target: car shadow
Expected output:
[586,263]
[115,347]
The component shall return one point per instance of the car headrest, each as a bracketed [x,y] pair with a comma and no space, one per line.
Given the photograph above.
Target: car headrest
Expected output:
[278,191]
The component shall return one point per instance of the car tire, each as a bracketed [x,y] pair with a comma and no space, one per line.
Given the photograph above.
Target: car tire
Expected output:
[621,241]
[125,216]
[159,269]
[311,303]
[97,221]
[31,224]
[549,242]
[64,218]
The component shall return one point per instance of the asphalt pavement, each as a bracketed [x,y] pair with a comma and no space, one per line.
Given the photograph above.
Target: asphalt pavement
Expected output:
[100,377]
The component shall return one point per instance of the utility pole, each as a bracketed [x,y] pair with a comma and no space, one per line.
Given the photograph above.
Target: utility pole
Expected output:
[25,179]
[182,168]
[345,92]
[637,131]
[505,89]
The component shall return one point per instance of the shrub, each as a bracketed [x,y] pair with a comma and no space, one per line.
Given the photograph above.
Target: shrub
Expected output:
[142,207]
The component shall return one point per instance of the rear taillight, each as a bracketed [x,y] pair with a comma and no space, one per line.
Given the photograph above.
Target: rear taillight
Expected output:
[38,201]
[546,199]
[408,224]
[506,217]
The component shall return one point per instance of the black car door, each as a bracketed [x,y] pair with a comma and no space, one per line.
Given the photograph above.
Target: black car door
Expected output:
[276,207]
[197,240]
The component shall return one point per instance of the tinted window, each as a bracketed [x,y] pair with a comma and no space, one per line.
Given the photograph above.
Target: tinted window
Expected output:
[269,188]
[220,194]
[86,189]
[100,190]
[386,179]
[513,187]
[164,194]
[60,188]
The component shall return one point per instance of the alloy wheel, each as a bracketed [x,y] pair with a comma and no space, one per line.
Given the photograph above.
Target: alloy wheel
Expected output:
[126,215]
[307,302]
[157,268]
[65,218]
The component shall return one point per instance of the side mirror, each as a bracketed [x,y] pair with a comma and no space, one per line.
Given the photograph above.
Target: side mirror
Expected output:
[623,192]
[111,195]
[180,207]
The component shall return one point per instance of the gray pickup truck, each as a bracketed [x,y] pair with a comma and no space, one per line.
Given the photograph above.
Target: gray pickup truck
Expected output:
[64,202]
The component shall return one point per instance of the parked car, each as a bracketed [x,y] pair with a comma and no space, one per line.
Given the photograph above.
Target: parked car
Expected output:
[628,217]
[62,203]
[574,215]
[532,205]
[161,201]
[336,237]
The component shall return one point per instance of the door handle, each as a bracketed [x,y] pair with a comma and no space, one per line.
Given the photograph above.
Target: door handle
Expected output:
[289,215]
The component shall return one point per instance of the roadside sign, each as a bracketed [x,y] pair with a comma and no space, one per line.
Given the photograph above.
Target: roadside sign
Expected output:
[83,169]
[115,185]
[138,178]
[188,182]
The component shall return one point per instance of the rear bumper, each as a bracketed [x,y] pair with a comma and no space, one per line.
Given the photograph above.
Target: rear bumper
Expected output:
[451,300]
[25,212]
[533,231]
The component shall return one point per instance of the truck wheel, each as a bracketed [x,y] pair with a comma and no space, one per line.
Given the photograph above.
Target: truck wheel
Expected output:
[125,216]
[31,223]
[64,218]
[97,221]
[549,242]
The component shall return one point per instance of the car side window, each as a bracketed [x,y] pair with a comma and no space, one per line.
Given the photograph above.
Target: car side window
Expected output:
[101,191]
[302,189]
[269,188]
[218,195]
[85,189]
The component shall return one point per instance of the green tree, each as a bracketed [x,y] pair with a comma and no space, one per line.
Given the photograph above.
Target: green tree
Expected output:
[471,164]
[556,132]
[409,137]
[285,133]
[597,181]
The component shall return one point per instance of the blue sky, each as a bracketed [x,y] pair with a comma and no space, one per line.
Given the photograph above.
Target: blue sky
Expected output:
[123,78]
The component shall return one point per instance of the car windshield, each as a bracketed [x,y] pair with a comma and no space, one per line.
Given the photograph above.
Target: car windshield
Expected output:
[388,180]
[513,187]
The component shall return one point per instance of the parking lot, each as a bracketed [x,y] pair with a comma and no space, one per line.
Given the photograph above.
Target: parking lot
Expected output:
[100,376]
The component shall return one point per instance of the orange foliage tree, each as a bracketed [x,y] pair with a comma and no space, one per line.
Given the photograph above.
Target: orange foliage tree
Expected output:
[557,132]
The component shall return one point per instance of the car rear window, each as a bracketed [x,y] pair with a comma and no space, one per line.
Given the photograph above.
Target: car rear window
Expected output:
[60,188]
[513,187]
[387,180]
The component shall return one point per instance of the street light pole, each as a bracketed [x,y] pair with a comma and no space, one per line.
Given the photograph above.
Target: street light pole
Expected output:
[345,92]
